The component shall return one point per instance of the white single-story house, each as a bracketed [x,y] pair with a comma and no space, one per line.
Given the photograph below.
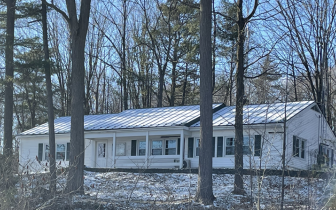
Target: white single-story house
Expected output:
[168,137]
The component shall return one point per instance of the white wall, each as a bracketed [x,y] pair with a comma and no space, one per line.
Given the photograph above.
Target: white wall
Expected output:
[29,152]
[312,127]
[272,144]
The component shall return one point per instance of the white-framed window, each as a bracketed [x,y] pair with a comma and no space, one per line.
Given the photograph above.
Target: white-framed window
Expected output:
[197,147]
[229,146]
[170,147]
[142,148]
[247,145]
[60,151]
[299,146]
[156,147]
[121,149]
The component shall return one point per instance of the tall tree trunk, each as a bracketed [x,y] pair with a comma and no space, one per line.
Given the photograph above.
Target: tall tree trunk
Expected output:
[239,161]
[8,117]
[52,165]
[204,192]
[78,30]
[238,180]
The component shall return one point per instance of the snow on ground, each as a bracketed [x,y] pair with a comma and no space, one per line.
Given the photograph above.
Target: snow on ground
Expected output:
[121,190]
[144,188]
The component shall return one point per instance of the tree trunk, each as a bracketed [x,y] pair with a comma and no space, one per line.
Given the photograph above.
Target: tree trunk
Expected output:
[239,161]
[238,180]
[8,117]
[78,31]
[52,153]
[204,192]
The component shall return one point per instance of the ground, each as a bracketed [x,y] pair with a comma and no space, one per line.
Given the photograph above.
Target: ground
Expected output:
[119,190]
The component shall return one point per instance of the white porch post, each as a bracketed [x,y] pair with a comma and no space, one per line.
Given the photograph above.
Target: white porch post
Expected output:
[181,148]
[147,148]
[113,150]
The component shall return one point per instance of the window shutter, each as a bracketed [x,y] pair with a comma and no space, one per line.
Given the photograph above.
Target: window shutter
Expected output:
[257,145]
[40,152]
[190,147]
[68,151]
[213,146]
[219,146]
[133,149]
[178,146]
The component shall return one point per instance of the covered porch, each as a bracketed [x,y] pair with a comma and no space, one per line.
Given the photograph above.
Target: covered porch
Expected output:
[153,148]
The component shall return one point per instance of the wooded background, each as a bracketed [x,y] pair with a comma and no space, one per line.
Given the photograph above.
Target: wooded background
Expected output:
[145,53]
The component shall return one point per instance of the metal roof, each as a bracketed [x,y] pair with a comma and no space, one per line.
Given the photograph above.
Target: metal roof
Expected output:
[132,118]
[258,114]
[175,116]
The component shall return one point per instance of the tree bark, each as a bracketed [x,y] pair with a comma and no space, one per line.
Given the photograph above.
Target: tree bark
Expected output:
[8,118]
[239,161]
[78,31]
[52,165]
[204,192]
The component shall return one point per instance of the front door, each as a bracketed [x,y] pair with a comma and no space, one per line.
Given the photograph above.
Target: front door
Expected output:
[101,155]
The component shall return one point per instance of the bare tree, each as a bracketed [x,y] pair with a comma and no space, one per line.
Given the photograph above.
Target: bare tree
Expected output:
[241,22]
[78,30]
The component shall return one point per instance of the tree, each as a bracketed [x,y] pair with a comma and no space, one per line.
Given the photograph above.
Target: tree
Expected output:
[52,153]
[239,161]
[204,192]
[78,30]
[308,28]
[8,118]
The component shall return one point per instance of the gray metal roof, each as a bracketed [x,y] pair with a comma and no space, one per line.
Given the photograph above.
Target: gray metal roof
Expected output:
[258,114]
[175,116]
[132,118]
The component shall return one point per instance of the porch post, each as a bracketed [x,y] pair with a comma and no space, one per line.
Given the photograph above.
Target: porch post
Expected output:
[181,148]
[147,148]
[113,150]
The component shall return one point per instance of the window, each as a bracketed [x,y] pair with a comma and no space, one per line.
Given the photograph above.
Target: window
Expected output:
[298,147]
[60,151]
[197,145]
[121,149]
[230,149]
[170,148]
[230,145]
[142,148]
[247,145]
[157,147]
[326,155]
